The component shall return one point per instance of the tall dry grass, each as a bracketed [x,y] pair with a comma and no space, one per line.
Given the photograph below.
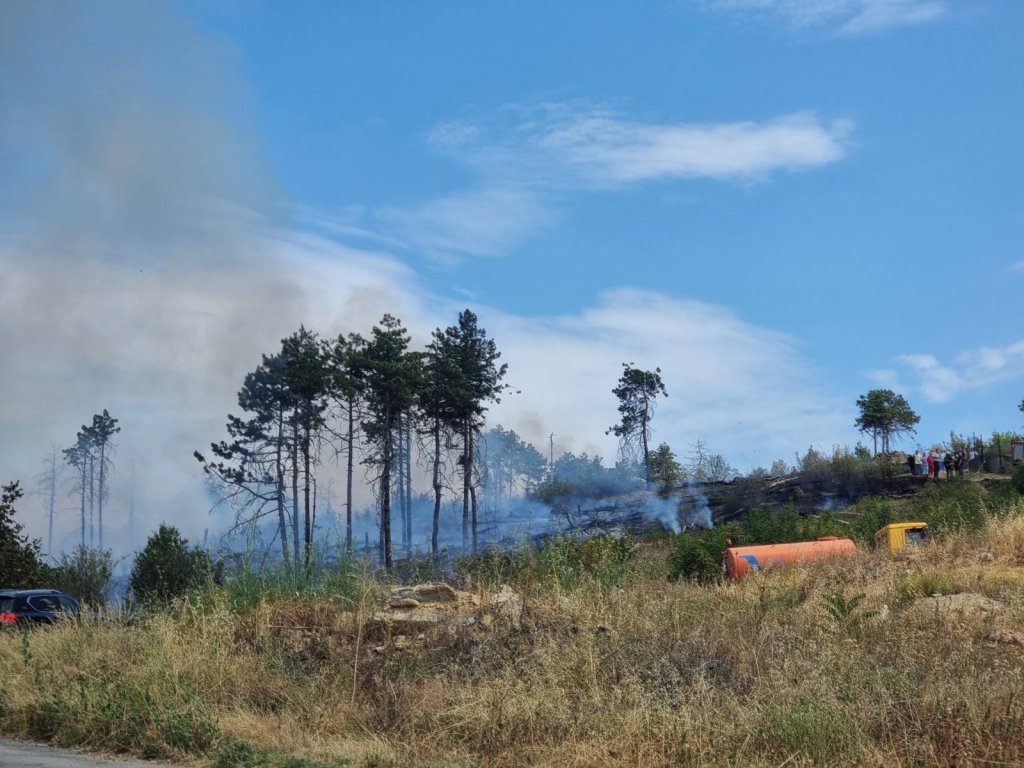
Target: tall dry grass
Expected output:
[831,664]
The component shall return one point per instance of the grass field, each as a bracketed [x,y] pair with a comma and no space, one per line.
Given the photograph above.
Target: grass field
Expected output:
[837,663]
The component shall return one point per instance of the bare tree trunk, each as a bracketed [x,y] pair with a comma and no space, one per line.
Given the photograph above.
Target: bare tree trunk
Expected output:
[408,485]
[645,420]
[385,503]
[99,500]
[437,488]
[465,488]
[348,478]
[81,472]
[53,496]
[295,492]
[92,501]
[307,509]
[472,493]
[400,480]
[282,521]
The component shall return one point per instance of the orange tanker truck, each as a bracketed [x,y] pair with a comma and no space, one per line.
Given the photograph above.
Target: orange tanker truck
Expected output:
[742,560]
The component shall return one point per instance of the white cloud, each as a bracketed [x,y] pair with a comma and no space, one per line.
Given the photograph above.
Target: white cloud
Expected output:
[166,350]
[574,146]
[480,222]
[852,17]
[972,370]
[527,160]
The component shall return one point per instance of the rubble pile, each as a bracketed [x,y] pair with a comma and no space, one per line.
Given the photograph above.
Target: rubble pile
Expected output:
[417,614]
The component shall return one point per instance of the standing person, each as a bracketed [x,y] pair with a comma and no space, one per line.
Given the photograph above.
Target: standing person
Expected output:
[972,465]
[959,459]
[921,466]
[912,463]
[947,462]
[930,463]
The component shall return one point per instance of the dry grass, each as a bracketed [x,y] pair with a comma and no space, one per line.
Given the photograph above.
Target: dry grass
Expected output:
[818,665]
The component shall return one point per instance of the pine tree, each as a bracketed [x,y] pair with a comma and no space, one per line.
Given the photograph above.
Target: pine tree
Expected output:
[475,380]
[885,415]
[346,387]
[391,376]
[103,428]
[637,392]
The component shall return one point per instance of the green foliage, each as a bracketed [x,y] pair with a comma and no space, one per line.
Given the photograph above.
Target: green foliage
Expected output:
[764,526]
[1018,476]
[872,515]
[927,583]
[956,505]
[605,559]
[637,392]
[127,715]
[166,568]
[885,415]
[693,558]
[85,573]
[583,476]
[20,563]
[666,471]
[247,585]
[233,753]
[844,611]
[495,566]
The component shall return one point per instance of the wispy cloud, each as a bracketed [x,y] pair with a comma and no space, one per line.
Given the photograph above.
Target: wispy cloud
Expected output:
[971,370]
[481,222]
[1016,268]
[581,146]
[528,159]
[853,17]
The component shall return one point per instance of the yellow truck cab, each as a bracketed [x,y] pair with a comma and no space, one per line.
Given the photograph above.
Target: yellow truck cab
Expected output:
[898,536]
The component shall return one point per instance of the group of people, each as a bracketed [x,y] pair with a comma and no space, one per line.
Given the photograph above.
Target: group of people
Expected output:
[930,463]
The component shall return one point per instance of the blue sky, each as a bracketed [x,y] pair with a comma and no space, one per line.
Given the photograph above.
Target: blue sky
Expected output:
[782,203]
[907,240]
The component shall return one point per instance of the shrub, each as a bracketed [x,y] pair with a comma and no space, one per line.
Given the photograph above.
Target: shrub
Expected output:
[20,563]
[167,568]
[956,505]
[85,573]
[698,556]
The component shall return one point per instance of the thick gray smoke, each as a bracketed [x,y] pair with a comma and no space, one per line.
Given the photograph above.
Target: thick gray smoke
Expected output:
[128,188]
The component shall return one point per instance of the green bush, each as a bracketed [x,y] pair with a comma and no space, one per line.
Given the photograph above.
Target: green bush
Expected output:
[167,568]
[955,505]
[85,573]
[1018,476]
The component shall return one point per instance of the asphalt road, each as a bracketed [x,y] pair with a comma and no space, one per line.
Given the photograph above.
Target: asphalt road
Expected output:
[19,754]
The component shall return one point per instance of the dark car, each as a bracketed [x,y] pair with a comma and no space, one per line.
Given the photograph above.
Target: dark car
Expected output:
[35,606]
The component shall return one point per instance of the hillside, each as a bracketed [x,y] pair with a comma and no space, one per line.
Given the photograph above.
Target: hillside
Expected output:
[602,661]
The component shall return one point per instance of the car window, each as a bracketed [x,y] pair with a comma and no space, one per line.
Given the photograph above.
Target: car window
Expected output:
[67,604]
[44,603]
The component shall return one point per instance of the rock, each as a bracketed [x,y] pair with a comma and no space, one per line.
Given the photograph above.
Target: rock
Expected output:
[1005,637]
[507,605]
[434,592]
[986,557]
[404,602]
[964,604]
[410,612]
